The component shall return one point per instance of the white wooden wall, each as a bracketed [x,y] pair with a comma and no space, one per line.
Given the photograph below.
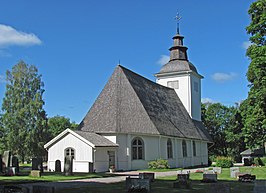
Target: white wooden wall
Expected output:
[83,153]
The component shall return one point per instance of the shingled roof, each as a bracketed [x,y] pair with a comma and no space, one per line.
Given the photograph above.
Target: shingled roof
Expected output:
[130,103]
[97,140]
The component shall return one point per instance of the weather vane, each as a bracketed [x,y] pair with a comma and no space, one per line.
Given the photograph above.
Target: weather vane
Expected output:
[177,18]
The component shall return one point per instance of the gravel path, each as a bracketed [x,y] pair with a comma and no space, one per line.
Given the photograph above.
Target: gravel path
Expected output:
[99,181]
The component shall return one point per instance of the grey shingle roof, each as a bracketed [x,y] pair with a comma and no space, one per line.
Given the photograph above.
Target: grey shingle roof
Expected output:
[177,66]
[130,103]
[97,140]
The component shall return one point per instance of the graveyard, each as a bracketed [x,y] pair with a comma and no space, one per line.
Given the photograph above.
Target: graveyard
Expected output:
[226,178]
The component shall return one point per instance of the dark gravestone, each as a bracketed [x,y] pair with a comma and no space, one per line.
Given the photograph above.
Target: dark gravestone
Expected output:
[68,166]
[6,159]
[57,166]
[138,185]
[15,164]
[37,164]
[147,175]
[183,181]
[42,189]
[91,169]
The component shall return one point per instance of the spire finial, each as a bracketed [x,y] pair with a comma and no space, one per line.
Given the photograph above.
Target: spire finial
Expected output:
[177,18]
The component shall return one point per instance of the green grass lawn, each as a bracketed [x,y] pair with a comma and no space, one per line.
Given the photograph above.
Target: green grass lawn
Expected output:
[48,177]
[162,184]
[165,184]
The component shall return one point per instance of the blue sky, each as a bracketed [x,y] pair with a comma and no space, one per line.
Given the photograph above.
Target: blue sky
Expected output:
[77,44]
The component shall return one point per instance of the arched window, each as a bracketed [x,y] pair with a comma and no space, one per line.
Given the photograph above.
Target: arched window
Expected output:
[70,152]
[169,149]
[194,149]
[184,148]
[137,148]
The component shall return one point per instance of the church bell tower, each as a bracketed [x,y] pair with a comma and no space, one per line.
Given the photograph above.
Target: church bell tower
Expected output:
[182,76]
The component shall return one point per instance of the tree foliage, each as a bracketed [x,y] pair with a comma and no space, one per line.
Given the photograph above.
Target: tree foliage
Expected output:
[217,118]
[24,119]
[57,124]
[255,111]
[225,125]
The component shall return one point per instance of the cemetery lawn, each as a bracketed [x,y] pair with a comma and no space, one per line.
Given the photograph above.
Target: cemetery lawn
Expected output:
[48,177]
[165,184]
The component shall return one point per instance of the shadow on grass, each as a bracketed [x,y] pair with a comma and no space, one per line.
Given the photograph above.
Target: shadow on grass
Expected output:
[159,186]
[23,177]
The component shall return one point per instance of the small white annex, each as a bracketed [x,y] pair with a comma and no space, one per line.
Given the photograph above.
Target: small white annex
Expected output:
[135,120]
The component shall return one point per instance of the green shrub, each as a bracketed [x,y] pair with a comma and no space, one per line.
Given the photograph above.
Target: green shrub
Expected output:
[158,164]
[258,162]
[212,158]
[263,159]
[224,162]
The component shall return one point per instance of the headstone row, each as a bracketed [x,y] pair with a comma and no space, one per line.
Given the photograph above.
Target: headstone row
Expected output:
[9,164]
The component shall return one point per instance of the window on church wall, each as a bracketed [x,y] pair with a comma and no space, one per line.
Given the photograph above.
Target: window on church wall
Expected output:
[184,148]
[194,149]
[173,84]
[70,152]
[169,149]
[196,86]
[137,149]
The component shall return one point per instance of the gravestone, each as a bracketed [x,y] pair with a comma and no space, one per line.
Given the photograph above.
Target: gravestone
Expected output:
[43,189]
[147,175]
[217,170]
[37,164]
[219,188]
[15,164]
[35,173]
[68,166]
[209,176]
[138,185]
[6,159]
[234,171]
[57,166]
[183,181]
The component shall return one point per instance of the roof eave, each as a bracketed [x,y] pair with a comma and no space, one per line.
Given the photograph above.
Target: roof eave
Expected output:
[158,75]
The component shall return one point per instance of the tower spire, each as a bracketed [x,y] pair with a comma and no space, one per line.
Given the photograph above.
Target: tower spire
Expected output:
[177,18]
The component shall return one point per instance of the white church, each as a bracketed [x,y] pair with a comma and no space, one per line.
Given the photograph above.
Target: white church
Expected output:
[135,120]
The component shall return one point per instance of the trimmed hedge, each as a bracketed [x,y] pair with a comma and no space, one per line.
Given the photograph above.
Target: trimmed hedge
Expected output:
[224,162]
[158,164]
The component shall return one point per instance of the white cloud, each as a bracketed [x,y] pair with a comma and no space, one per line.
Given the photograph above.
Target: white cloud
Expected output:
[246,44]
[222,77]
[208,100]
[2,79]
[10,37]
[163,60]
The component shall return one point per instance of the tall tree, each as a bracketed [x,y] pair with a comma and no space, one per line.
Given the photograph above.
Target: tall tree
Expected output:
[216,118]
[57,124]
[234,134]
[255,120]
[24,118]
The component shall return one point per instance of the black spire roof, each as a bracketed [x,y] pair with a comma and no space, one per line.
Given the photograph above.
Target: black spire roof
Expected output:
[178,58]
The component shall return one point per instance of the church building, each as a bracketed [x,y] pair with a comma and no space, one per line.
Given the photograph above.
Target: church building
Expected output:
[135,120]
